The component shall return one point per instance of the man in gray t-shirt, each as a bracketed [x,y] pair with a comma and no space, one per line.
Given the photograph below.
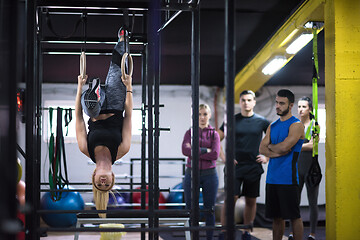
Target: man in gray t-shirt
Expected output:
[249,129]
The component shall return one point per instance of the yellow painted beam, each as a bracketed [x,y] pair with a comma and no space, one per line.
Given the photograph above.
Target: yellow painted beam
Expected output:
[342,87]
[251,77]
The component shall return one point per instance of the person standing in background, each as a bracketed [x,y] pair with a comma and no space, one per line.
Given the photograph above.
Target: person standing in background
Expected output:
[282,144]
[209,143]
[249,129]
[304,112]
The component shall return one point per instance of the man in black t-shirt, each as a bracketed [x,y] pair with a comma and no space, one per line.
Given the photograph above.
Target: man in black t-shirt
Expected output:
[249,129]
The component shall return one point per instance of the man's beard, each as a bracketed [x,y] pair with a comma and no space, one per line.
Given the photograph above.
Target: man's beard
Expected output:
[284,112]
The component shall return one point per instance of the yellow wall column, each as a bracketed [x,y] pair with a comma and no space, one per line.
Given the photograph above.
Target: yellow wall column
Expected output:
[342,98]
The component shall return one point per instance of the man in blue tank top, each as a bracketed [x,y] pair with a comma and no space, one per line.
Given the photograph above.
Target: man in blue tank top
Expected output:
[282,144]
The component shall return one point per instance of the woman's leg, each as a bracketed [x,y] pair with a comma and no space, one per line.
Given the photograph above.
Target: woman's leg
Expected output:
[187,188]
[312,193]
[209,186]
[114,87]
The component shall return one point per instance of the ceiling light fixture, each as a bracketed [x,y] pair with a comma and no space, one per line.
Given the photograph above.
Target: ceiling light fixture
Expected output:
[289,37]
[274,65]
[299,43]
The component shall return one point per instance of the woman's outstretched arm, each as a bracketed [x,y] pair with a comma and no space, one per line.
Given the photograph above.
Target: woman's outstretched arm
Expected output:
[126,129]
[81,135]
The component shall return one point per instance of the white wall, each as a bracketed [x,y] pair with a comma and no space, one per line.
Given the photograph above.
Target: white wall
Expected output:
[176,114]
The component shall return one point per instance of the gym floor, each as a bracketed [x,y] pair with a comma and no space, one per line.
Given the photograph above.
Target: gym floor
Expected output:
[259,233]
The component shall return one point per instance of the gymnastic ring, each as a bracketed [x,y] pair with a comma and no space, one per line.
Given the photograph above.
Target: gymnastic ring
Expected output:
[83,64]
[130,64]
[19,167]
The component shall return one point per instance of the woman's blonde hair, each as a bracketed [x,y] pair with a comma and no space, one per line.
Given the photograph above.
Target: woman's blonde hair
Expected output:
[205,106]
[101,197]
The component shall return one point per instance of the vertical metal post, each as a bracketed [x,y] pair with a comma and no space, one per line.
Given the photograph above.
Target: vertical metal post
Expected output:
[152,22]
[229,123]
[157,67]
[131,179]
[38,60]
[143,132]
[32,176]
[150,149]
[8,69]
[195,80]
[144,75]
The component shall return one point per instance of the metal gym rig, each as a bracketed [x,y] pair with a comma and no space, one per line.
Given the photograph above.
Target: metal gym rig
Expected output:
[149,11]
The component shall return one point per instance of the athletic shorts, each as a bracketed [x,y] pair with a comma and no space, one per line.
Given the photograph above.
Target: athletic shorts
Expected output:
[247,188]
[282,201]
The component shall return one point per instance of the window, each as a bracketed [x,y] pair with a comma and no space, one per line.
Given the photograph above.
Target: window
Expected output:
[68,132]
[136,122]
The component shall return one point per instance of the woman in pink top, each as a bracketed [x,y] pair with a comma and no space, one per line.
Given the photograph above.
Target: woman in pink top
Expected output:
[209,142]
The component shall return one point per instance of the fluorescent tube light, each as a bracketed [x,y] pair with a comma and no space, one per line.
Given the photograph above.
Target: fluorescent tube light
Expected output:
[274,65]
[288,38]
[299,43]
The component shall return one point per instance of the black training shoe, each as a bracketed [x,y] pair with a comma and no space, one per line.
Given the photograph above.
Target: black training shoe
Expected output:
[310,237]
[221,236]
[246,236]
[291,237]
[123,32]
[92,95]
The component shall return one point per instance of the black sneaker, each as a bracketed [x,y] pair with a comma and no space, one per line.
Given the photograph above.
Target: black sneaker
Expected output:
[221,236]
[311,237]
[246,236]
[291,237]
[92,95]
[123,32]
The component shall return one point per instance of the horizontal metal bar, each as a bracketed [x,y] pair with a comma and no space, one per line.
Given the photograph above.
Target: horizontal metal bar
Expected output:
[138,176]
[90,189]
[89,12]
[95,4]
[94,229]
[138,205]
[161,129]
[89,184]
[135,39]
[87,53]
[112,207]
[129,212]
[114,189]
[146,106]
[87,42]
[180,6]
[159,229]
[73,109]
[111,6]
[160,159]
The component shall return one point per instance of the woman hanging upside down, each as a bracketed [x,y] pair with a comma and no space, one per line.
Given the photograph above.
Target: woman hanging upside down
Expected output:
[109,108]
